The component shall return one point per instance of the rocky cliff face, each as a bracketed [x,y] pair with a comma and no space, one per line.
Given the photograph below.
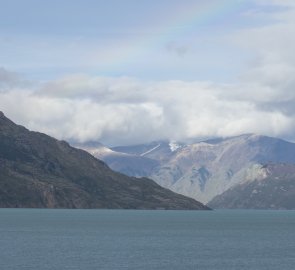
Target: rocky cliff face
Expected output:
[39,171]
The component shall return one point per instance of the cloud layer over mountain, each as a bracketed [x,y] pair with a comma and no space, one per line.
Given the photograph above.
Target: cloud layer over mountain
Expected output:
[122,110]
[125,110]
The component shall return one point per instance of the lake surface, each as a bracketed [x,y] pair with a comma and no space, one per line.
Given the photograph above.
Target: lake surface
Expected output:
[38,239]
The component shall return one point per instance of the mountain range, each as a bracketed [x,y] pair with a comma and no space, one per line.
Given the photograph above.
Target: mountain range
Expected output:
[37,170]
[222,172]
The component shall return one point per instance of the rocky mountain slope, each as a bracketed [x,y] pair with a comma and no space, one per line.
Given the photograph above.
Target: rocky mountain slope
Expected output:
[39,171]
[209,168]
[273,188]
[206,169]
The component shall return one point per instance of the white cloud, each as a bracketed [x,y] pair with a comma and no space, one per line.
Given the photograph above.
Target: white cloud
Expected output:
[124,110]
[270,75]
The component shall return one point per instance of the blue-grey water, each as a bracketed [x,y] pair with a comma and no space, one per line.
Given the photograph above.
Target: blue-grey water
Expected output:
[39,239]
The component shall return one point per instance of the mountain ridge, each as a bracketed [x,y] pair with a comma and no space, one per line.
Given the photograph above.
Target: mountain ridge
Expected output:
[37,170]
[208,168]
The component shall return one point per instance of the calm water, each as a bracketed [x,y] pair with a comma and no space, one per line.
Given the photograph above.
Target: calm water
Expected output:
[123,239]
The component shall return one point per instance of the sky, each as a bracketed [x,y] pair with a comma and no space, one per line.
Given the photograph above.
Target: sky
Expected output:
[128,71]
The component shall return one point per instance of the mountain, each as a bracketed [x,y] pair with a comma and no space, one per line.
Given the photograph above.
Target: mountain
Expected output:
[273,188]
[39,171]
[124,162]
[160,151]
[207,169]
[134,160]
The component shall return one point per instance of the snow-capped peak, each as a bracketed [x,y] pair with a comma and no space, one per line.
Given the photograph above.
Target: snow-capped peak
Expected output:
[174,146]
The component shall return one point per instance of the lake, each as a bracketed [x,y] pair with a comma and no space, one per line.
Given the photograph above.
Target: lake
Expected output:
[38,239]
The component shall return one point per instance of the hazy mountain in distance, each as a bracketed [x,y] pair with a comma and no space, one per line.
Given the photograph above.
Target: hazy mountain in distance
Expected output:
[135,160]
[37,170]
[158,150]
[206,169]
[272,188]
[123,162]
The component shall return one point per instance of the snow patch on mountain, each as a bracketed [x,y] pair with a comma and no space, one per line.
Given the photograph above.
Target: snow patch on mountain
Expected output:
[174,146]
[150,150]
[100,151]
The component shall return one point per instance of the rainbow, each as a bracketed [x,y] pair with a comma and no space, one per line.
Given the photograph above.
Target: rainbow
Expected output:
[182,23]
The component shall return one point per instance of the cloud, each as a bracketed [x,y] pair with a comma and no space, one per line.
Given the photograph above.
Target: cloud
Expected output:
[270,74]
[125,110]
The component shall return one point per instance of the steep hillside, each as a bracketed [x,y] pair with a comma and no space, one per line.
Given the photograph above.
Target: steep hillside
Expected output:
[39,171]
